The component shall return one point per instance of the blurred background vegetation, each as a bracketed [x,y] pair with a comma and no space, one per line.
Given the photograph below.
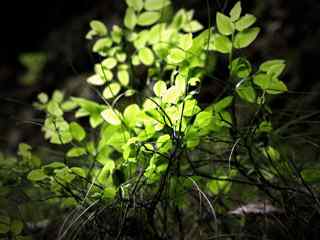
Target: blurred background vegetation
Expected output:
[43,48]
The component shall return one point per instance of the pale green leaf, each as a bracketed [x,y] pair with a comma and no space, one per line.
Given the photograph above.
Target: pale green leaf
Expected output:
[123,77]
[95,80]
[185,41]
[136,4]
[130,19]
[98,27]
[235,12]
[109,63]
[76,152]
[220,43]
[193,26]
[111,90]
[245,38]
[102,45]
[152,5]
[77,131]
[160,88]
[172,95]
[176,55]
[148,18]
[224,24]
[146,56]
[245,22]
[111,116]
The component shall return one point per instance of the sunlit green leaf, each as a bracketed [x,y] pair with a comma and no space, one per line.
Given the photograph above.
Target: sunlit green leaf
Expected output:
[220,43]
[96,80]
[245,22]
[152,5]
[111,90]
[235,12]
[77,131]
[148,18]
[176,55]
[245,38]
[76,152]
[160,88]
[111,116]
[109,63]
[193,26]
[98,27]
[123,77]
[136,4]
[130,19]
[146,56]
[224,24]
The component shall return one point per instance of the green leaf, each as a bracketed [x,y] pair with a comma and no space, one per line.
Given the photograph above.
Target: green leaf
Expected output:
[109,63]
[245,22]
[4,228]
[146,56]
[245,38]
[136,4]
[247,92]
[190,108]
[98,27]
[269,84]
[185,41]
[111,90]
[235,12]
[176,55]
[76,152]
[272,153]
[43,97]
[240,67]
[78,171]
[160,88]
[172,95]
[102,44]
[132,114]
[36,175]
[224,24]
[218,186]
[192,27]
[220,43]
[152,5]
[130,19]
[54,109]
[96,80]
[111,116]
[273,67]
[148,18]
[16,227]
[77,131]
[223,104]
[265,126]
[311,175]
[123,77]
[164,143]
[109,193]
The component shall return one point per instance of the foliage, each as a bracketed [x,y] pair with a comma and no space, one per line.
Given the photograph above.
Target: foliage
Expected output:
[150,143]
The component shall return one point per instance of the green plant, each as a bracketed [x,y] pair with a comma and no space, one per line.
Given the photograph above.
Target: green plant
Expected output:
[149,142]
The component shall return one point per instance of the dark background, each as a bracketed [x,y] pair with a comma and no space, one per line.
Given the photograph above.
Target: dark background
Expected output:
[290,30]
